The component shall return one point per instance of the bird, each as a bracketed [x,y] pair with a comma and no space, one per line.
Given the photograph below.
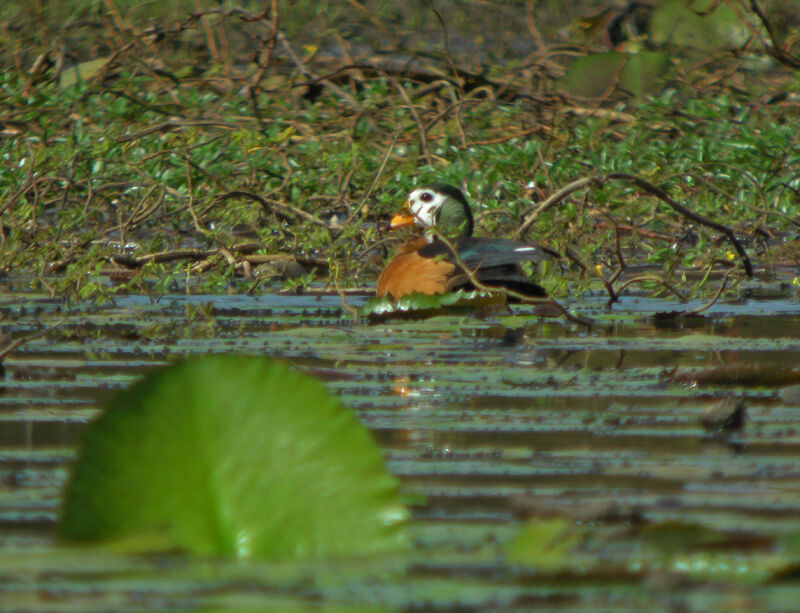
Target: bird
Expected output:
[427,264]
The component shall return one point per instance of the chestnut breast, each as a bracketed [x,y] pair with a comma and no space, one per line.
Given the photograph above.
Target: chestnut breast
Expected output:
[408,272]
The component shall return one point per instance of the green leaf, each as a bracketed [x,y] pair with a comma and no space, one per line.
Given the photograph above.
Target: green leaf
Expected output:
[693,24]
[641,71]
[672,537]
[545,544]
[81,72]
[233,455]
[420,306]
[597,74]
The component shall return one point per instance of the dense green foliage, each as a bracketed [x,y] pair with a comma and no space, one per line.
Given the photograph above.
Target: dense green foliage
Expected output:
[216,133]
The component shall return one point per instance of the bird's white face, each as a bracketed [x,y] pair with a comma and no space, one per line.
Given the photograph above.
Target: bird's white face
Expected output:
[424,203]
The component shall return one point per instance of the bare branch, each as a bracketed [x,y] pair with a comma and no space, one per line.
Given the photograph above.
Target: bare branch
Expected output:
[16,344]
[648,187]
[554,199]
[655,279]
[271,206]
[774,49]
[714,299]
[504,291]
[661,195]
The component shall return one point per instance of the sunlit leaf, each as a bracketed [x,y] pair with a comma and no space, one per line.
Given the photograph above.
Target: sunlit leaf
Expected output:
[232,455]
[599,74]
[81,72]
[545,544]
[694,24]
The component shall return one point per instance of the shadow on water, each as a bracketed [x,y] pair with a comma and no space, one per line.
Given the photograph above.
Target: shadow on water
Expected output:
[486,422]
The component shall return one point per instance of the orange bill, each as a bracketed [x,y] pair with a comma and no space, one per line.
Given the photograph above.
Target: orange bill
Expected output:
[401,219]
[404,218]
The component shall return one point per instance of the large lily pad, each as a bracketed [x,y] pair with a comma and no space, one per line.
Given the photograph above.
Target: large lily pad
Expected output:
[599,74]
[699,24]
[232,455]
[420,306]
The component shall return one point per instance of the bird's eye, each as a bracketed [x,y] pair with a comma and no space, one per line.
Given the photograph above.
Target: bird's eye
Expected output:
[426,196]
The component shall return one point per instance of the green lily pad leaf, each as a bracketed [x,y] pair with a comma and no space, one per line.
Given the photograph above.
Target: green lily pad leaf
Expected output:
[81,72]
[233,455]
[545,544]
[421,306]
[598,74]
[693,24]
[672,537]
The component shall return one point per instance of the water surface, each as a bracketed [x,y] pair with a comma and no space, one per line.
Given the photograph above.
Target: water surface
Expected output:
[488,422]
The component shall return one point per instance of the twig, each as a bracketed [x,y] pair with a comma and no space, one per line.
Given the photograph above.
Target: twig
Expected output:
[347,307]
[270,207]
[775,50]
[212,47]
[443,26]
[143,212]
[423,137]
[347,291]
[301,66]
[661,195]
[473,279]
[14,345]
[534,31]
[284,257]
[168,126]
[505,137]
[133,99]
[714,299]
[552,200]
[190,203]
[375,21]
[613,296]
[620,259]
[375,179]
[655,279]
[267,49]
[160,256]
[575,259]
[375,245]
[29,181]
[648,187]
[742,203]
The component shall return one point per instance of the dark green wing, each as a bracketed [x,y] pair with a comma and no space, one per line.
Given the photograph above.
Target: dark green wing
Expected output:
[494,262]
[482,253]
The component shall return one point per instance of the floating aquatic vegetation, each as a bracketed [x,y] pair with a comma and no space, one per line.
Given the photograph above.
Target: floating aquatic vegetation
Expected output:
[421,306]
[232,455]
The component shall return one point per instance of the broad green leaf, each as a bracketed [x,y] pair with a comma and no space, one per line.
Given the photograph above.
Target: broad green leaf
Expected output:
[692,23]
[598,74]
[545,544]
[420,306]
[641,71]
[81,72]
[233,455]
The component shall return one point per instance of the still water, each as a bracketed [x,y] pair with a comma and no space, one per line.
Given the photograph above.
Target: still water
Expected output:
[487,422]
